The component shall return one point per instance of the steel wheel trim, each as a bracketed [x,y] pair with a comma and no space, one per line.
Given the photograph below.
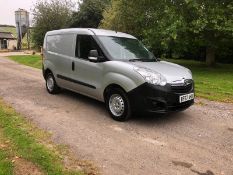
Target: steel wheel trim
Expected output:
[50,83]
[116,105]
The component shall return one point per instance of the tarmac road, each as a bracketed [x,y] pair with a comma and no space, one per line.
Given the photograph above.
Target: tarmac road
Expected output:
[198,141]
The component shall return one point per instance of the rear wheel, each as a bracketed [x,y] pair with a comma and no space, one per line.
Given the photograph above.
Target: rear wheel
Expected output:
[51,84]
[118,105]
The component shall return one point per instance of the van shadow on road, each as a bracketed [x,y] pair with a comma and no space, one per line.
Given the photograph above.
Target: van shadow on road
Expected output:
[83,99]
[159,119]
[139,119]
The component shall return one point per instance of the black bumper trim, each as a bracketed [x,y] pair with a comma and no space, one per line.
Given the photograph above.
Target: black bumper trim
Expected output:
[157,99]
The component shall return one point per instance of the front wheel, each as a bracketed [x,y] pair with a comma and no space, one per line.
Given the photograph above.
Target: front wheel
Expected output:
[51,84]
[118,105]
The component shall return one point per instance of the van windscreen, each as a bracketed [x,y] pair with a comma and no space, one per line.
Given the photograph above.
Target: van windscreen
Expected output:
[126,48]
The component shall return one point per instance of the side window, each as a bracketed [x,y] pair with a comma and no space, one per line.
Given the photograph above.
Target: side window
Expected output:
[60,44]
[84,44]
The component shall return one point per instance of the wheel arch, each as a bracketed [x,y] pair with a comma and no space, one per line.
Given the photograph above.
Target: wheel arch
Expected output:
[46,71]
[119,80]
[112,86]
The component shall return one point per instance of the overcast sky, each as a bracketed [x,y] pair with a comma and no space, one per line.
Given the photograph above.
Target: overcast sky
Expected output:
[8,7]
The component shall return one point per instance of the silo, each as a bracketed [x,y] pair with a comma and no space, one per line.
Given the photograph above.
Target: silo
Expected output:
[22,25]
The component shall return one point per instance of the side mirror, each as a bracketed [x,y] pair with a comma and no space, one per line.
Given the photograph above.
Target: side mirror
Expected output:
[93,56]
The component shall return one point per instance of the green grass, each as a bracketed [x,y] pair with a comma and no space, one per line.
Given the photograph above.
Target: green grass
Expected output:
[211,83]
[28,60]
[214,83]
[6,166]
[23,140]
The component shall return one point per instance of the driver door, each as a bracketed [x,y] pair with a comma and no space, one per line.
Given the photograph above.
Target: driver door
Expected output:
[88,75]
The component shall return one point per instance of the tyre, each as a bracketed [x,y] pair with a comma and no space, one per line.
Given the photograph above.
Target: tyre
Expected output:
[118,105]
[51,84]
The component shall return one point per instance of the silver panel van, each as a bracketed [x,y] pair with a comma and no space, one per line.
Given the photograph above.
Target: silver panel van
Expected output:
[117,69]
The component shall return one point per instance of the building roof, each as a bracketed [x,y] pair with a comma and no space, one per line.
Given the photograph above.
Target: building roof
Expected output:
[6,35]
[89,31]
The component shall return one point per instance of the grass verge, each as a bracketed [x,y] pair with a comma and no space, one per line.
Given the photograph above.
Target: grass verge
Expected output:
[6,166]
[28,60]
[26,142]
[214,83]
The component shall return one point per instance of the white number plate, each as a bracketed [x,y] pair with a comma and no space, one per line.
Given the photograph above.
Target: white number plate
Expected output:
[186,97]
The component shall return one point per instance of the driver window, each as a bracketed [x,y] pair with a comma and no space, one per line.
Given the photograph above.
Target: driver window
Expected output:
[85,43]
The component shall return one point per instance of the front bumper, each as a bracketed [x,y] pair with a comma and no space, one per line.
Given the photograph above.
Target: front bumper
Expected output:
[158,99]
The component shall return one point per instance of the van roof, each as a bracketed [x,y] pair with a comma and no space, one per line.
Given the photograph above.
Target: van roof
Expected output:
[90,31]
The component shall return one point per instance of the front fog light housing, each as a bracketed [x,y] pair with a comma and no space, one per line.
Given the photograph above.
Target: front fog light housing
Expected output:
[151,77]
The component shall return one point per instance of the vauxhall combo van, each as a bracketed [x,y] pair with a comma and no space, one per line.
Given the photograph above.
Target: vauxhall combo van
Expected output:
[117,69]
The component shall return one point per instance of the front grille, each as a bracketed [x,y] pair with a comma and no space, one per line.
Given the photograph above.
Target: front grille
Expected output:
[185,87]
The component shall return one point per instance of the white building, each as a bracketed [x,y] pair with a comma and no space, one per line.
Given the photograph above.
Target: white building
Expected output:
[7,41]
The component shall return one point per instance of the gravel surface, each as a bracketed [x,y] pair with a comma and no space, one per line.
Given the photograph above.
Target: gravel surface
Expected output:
[13,53]
[198,141]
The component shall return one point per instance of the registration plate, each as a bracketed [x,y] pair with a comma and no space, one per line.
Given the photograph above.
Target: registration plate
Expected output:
[186,97]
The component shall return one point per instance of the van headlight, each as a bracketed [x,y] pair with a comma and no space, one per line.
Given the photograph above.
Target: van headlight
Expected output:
[151,77]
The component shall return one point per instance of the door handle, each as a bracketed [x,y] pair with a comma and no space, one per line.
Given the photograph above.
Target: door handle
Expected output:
[73,66]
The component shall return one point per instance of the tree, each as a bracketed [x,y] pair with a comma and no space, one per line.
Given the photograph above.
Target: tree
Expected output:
[209,24]
[125,16]
[175,27]
[89,14]
[154,22]
[50,15]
